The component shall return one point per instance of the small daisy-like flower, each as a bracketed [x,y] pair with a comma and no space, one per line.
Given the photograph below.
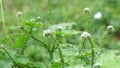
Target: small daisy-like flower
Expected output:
[97,65]
[85,35]
[38,18]
[47,32]
[18,14]
[86,9]
[110,27]
[98,15]
[1,46]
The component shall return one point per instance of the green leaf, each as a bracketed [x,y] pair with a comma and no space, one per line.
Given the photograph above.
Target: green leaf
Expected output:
[19,43]
[4,64]
[22,60]
[109,59]
[3,56]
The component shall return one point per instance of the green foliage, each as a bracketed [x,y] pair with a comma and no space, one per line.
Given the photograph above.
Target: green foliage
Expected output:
[64,36]
[19,42]
[109,59]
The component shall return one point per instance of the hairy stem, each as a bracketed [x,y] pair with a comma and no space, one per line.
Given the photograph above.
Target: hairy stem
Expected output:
[83,43]
[103,38]
[92,52]
[59,51]
[9,55]
[28,36]
[61,56]
[43,44]
[88,24]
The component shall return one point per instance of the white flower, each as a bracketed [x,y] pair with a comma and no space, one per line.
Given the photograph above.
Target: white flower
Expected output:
[86,9]
[97,65]
[98,15]
[85,35]
[18,14]
[47,32]
[110,27]
[1,46]
[38,17]
[59,28]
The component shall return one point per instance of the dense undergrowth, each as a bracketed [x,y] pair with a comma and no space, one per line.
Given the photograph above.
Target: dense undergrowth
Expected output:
[59,34]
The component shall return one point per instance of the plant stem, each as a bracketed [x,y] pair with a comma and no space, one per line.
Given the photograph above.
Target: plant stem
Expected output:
[3,19]
[60,51]
[83,43]
[43,44]
[61,56]
[88,24]
[9,55]
[49,5]
[53,47]
[27,37]
[92,52]
[103,38]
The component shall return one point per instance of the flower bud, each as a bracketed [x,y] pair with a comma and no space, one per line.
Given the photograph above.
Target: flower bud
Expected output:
[110,27]
[47,32]
[39,18]
[1,46]
[86,9]
[60,28]
[97,65]
[85,35]
[18,14]
[98,15]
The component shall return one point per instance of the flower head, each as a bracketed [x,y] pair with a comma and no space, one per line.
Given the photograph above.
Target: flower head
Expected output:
[60,28]
[38,18]
[18,14]
[1,46]
[85,35]
[98,15]
[86,9]
[97,65]
[47,32]
[110,27]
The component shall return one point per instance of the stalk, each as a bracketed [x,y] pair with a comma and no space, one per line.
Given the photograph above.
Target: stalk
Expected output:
[3,19]
[92,52]
[10,56]
[103,38]
[88,24]
[61,56]
[59,51]
[83,43]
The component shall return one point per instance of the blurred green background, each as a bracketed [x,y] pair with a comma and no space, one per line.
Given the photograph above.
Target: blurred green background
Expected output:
[66,11]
